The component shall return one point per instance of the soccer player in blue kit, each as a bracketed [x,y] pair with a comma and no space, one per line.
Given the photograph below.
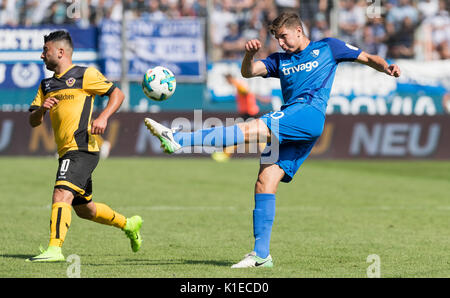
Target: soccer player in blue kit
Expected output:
[306,71]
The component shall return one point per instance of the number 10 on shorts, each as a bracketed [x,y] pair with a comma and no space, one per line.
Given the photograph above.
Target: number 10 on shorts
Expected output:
[64,167]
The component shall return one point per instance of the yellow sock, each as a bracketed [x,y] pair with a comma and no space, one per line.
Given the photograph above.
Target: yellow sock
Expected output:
[59,223]
[105,215]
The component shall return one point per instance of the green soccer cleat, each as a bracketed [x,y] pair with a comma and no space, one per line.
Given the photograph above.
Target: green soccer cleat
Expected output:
[131,229]
[164,134]
[52,254]
[252,260]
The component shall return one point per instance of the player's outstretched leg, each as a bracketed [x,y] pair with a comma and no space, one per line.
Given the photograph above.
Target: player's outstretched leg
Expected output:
[219,136]
[164,134]
[131,229]
[103,214]
[131,226]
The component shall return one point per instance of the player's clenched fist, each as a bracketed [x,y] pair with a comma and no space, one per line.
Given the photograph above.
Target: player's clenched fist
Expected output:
[393,70]
[98,126]
[252,46]
[50,103]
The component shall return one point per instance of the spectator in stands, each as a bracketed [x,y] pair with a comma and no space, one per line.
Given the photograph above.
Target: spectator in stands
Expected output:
[440,26]
[114,11]
[427,8]
[242,10]
[351,22]
[396,16]
[233,43]
[401,43]
[97,11]
[154,11]
[187,8]
[309,9]
[254,27]
[401,23]
[134,8]
[9,15]
[374,37]
[389,4]
[270,11]
[253,17]
[221,18]
[36,11]
[26,11]
[200,7]
[283,5]
[320,28]
[369,45]
[171,8]
[57,14]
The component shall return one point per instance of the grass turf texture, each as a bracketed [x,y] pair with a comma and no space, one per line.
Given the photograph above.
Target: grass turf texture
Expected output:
[198,219]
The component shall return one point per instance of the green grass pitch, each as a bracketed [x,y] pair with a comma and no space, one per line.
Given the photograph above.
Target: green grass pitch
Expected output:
[198,219]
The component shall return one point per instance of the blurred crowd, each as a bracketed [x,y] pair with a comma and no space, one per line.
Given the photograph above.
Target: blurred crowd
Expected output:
[410,29]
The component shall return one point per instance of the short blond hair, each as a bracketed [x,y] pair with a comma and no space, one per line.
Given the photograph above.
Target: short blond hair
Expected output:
[287,19]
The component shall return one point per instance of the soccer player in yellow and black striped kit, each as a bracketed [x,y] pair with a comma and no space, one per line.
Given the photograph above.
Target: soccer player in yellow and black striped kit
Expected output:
[68,96]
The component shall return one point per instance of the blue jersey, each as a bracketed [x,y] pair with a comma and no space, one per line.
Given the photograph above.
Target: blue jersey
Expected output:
[308,75]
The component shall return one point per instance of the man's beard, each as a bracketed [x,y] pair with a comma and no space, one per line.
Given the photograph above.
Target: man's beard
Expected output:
[50,65]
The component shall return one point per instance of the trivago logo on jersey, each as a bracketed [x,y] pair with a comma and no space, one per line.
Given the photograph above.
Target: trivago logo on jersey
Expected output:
[308,66]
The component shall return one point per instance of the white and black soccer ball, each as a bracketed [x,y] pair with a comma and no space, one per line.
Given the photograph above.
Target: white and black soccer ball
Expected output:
[159,83]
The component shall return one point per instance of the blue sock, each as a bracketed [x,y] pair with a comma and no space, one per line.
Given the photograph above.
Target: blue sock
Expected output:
[263,216]
[220,136]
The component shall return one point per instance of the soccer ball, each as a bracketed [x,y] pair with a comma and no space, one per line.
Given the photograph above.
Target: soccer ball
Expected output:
[159,83]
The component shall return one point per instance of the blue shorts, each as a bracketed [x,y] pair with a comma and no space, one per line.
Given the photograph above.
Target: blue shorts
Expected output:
[296,128]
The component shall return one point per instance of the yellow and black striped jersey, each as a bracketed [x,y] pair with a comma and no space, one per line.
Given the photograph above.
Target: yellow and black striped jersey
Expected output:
[71,117]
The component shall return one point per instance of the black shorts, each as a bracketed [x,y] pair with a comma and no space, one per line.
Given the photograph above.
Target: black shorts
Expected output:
[75,174]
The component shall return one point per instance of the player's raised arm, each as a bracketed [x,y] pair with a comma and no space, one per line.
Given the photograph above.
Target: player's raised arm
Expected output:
[378,63]
[37,115]
[39,107]
[95,83]
[115,101]
[251,68]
